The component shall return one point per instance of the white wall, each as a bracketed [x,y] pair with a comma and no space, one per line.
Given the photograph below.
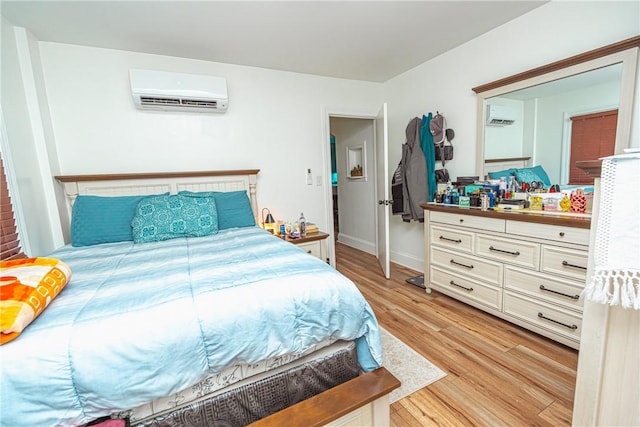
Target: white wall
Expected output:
[356,197]
[549,33]
[274,123]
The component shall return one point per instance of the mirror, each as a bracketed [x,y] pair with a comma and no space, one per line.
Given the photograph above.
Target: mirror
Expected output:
[530,119]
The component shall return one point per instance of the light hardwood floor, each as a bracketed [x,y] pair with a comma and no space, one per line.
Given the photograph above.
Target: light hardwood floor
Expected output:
[498,374]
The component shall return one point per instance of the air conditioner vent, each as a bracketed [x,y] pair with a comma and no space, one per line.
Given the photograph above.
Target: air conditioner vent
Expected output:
[158,101]
[159,90]
[198,103]
[499,115]
[501,122]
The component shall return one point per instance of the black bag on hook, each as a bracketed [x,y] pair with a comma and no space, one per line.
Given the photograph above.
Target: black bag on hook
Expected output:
[444,151]
[442,175]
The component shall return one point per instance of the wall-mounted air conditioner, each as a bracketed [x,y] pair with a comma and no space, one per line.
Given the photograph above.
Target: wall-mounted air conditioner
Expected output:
[160,90]
[499,115]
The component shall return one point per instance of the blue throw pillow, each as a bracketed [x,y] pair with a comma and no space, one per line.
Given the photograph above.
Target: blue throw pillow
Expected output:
[499,174]
[168,217]
[96,219]
[539,170]
[535,173]
[234,207]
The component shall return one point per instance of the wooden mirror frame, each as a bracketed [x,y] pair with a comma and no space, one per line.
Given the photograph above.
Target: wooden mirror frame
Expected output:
[625,52]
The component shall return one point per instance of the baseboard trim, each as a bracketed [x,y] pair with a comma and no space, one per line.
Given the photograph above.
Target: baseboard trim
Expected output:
[407,260]
[400,258]
[357,243]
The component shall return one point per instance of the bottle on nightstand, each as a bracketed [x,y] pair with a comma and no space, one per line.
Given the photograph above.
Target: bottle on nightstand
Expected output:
[303,225]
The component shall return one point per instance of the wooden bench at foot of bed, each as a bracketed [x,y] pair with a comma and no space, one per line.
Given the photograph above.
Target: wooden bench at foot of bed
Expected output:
[362,401]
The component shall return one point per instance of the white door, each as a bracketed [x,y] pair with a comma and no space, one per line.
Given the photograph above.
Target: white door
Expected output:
[382,189]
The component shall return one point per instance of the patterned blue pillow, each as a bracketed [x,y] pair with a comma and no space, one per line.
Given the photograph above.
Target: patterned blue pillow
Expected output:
[170,216]
[234,207]
[97,219]
[535,173]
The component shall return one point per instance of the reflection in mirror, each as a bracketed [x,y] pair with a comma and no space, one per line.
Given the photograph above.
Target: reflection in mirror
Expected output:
[545,117]
[555,124]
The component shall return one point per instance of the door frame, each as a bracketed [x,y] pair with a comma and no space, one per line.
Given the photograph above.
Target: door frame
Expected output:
[327,113]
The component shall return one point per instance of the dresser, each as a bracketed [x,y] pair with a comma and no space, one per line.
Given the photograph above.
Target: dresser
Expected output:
[527,268]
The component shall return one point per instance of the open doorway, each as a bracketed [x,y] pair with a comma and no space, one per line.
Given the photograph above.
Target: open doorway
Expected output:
[353,181]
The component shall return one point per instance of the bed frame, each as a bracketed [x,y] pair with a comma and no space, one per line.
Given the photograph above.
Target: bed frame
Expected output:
[156,183]
[362,401]
[495,165]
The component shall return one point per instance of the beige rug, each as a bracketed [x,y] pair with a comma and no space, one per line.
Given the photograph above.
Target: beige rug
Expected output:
[406,364]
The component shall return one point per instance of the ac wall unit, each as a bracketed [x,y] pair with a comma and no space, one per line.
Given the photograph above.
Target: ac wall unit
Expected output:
[499,115]
[160,90]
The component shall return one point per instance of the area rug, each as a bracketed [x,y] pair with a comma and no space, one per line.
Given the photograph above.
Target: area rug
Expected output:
[406,364]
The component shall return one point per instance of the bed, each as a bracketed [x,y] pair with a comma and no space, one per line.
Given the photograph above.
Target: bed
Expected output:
[226,328]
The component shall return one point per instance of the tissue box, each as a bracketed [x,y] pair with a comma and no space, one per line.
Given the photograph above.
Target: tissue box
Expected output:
[551,201]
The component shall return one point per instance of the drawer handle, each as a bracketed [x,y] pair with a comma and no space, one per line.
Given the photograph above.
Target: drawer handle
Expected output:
[575,297]
[461,220]
[461,265]
[561,234]
[516,253]
[309,251]
[451,240]
[460,286]
[542,316]
[567,264]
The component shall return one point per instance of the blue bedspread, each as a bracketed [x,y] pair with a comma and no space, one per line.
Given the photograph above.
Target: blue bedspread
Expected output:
[141,321]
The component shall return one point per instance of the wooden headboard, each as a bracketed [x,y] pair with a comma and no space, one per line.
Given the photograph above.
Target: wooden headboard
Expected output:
[495,165]
[155,183]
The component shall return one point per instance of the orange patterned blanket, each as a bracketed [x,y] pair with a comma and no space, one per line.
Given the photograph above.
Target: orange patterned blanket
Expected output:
[27,286]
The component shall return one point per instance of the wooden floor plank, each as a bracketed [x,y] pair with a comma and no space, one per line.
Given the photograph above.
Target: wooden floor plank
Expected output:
[557,414]
[497,373]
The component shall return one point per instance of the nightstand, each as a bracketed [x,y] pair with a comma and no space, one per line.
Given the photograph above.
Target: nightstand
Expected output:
[315,244]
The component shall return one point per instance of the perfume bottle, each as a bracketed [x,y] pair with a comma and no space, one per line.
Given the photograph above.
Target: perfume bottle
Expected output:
[303,225]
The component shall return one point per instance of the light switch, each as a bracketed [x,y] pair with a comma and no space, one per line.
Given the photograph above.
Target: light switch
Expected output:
[319,181]
[309,177]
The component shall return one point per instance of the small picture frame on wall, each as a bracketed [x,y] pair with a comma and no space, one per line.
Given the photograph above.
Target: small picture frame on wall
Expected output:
[356,162]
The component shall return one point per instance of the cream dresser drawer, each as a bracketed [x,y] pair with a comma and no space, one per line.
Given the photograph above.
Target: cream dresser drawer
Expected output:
[312,248]
[565,262]
[579,236]
[451,238]
[468,221]
[562,322]
[485,294]
[511,251]
[467,266]
[542,286]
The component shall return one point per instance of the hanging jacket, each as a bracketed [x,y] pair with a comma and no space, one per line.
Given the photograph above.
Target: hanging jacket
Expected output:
[426,143]
[414,167]
[397,191]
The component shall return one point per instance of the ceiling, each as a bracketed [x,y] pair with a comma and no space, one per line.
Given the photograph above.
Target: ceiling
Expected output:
[362,40]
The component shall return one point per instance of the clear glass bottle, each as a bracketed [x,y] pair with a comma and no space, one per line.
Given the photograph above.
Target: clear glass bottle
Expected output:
[513,186]
[502,188]
[302,225]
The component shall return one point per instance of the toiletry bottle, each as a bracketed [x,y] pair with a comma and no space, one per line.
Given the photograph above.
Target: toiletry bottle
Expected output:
[303,225]
[492,201]
[502,188]
[513,186]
